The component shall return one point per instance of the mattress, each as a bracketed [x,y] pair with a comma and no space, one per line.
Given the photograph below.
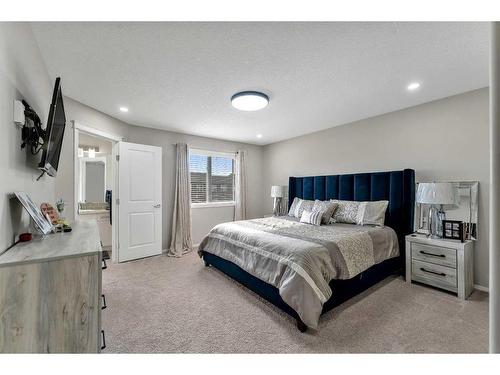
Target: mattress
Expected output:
[300,259]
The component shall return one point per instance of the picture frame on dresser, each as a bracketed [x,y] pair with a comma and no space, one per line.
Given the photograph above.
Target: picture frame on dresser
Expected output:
[453,230]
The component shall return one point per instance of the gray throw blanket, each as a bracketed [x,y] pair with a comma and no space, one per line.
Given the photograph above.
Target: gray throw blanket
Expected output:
[301,259]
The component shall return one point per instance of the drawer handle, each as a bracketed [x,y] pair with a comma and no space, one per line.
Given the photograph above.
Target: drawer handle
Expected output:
[434,273]
[103,302]
[104,265]
[433,255]
[103,346]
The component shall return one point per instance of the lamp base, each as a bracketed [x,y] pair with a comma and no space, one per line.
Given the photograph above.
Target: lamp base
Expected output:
[277,206]
[436,217]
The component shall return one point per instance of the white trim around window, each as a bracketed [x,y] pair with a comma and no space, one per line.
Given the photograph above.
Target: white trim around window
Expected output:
[212,204]
[199,151]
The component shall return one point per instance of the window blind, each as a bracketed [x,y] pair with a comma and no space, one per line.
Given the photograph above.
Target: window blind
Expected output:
[212,178]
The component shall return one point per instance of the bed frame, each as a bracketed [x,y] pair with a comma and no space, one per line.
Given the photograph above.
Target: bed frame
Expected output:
[398,187]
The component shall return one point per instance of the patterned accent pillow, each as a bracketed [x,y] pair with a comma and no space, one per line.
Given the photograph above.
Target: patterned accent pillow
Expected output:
[328,207]
[293,207]
[304,205]
[312,217]
[346,212]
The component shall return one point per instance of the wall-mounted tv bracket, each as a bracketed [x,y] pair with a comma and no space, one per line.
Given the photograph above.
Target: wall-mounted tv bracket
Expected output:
[32,132]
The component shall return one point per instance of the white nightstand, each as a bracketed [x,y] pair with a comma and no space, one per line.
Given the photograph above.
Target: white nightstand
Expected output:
[445,264]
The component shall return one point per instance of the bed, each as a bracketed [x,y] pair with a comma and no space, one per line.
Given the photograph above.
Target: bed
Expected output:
[307,270]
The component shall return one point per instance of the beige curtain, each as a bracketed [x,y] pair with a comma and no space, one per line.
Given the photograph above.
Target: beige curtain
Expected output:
[240,194]
[181,218]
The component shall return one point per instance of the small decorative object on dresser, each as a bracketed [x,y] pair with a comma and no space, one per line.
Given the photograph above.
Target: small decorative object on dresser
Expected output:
[453,230]
[441,263]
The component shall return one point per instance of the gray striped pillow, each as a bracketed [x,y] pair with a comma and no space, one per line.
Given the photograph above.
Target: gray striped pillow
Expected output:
[312,217]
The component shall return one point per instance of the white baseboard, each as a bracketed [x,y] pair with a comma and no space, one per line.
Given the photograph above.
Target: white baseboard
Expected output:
[195,247]
[481,288]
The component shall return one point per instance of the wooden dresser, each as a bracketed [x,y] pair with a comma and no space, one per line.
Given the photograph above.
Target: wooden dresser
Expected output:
[50,293]
[445,264]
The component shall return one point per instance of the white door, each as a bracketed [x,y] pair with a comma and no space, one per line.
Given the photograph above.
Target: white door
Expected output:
[139,201]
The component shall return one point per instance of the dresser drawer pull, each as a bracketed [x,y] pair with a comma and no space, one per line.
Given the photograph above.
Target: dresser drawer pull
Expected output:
[433,255]
[104,265]
[103,346]
[434,273]
[103,302]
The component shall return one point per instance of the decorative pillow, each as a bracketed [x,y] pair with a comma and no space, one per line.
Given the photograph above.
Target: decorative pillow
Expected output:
[346,212]
[312,217]
[304,205]
[293,207]
[372,213]
[328,207]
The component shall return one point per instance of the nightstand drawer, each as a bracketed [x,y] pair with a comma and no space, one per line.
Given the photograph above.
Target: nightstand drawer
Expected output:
[435,275]
[442,256]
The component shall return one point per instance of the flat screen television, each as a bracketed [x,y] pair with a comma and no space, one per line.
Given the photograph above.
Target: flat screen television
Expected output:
[54,133]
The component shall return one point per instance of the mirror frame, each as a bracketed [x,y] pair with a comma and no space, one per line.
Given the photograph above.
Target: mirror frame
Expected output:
[473,187]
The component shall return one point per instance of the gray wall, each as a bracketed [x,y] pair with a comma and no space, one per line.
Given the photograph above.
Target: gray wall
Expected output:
[445,140]
[22,76]
[203,219]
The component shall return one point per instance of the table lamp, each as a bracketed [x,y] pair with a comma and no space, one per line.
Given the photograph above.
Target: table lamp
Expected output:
[436,194]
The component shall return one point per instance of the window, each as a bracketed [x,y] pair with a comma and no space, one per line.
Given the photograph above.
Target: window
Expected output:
[212,177]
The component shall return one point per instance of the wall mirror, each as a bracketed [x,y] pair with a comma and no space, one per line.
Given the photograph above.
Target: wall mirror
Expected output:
[92,181]
[466,210]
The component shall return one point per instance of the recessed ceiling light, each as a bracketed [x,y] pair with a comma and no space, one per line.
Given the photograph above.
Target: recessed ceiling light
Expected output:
[259,135]
[249,100]
[413,86]
[124,109]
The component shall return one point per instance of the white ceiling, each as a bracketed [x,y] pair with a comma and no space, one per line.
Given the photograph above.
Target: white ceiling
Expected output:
[181,76]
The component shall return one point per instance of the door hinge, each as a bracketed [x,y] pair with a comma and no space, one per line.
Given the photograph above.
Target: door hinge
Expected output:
[117,200]
[117,157]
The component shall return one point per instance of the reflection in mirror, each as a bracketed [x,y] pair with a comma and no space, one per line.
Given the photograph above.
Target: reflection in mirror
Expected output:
[92,179]
[466,210]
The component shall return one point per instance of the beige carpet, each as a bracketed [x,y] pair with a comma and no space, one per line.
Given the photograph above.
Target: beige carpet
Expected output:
[167,305]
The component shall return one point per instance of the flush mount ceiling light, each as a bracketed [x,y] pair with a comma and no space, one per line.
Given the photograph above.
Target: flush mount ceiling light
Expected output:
[413,86]
[249,100]
[124,109]
[259,135]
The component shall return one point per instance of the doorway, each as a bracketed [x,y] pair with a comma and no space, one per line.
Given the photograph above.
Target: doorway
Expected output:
[95,181]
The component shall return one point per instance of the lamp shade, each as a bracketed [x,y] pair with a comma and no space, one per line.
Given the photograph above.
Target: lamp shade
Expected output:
[277,191]
[437,193]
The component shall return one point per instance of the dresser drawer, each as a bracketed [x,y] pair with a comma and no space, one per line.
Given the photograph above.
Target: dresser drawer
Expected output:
[442,256]
[435,275]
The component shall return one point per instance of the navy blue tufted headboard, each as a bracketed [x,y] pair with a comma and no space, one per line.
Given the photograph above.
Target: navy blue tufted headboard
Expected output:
[398,187]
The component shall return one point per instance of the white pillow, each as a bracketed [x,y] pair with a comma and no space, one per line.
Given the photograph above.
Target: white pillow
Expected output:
[293,207]
[312,217]
[372,213]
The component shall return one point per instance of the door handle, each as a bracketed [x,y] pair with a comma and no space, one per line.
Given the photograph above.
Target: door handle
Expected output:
[157,206]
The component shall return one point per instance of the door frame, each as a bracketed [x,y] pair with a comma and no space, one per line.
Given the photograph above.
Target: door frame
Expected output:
[114,139]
